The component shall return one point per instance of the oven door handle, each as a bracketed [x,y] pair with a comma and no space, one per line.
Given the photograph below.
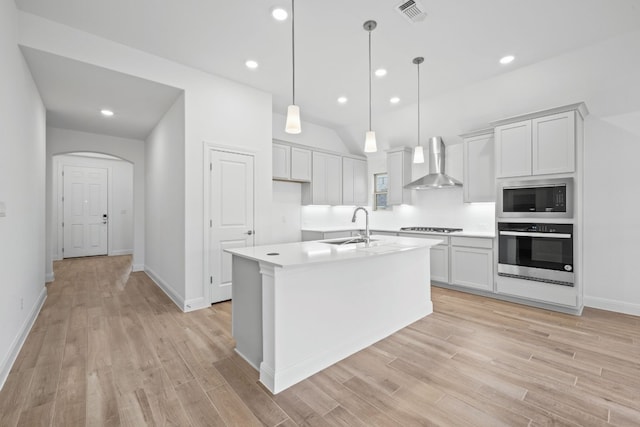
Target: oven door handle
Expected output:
[533,234]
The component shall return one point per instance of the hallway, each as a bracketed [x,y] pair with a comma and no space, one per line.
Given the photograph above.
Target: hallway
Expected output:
[109,348]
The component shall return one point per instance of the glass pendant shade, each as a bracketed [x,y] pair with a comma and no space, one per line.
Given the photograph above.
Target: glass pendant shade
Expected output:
[418,154]
[370,145]
[293,120]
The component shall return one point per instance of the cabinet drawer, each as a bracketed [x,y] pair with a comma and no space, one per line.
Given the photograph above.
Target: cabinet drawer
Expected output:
[472,242]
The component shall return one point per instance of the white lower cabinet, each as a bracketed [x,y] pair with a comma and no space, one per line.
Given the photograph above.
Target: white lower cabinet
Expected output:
[472,262]
[440,263]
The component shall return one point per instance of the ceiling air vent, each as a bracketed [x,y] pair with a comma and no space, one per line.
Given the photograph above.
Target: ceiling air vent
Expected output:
[412,11]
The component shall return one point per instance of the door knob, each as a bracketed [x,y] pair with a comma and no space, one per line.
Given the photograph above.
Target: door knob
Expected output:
[250,232]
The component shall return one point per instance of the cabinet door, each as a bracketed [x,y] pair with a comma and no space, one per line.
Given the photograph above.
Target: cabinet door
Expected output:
[333,176]
[440,263]
[300,164]
[348,183]
[513,149]
[354,182]
[554,144]
[479,170]
[319,180]
[472,267]
[281,159]
[399,174]
[360,183]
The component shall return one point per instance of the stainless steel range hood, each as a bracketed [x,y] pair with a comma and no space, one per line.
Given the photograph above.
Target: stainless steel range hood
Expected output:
[436,178]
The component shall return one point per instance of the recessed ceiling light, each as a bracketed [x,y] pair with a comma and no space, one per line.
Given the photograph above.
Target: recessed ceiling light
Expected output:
[507,59]
[394,100]
[251,64]
[279,14]
[380,72]
[342,100]
[106,113]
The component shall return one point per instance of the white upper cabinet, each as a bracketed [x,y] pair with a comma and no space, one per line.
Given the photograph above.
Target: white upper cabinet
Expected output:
[291,163]
[479,170]
[281,161]
[326,181]
[399,175]
[554,144]
[538,146]
[354,182]
[513,149]
[300,164]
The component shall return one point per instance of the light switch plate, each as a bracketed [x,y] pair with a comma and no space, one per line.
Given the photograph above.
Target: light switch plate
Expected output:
[3,209]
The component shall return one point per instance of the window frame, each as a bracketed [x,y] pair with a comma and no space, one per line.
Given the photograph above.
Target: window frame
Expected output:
[376,192]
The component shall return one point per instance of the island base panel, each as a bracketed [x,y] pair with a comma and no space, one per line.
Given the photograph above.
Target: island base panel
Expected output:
[316,315]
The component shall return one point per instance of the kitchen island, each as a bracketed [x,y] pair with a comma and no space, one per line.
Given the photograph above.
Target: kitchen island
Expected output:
[301,307]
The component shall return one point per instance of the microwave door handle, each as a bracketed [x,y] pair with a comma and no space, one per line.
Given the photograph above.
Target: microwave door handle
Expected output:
[532,234]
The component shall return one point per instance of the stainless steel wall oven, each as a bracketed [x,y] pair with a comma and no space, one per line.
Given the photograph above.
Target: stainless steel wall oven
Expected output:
[536,251]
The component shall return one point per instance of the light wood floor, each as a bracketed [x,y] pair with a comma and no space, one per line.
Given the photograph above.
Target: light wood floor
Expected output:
[109,348]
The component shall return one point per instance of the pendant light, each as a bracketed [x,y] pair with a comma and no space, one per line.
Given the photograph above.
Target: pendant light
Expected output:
[370,137]
[418,152]
[293,111]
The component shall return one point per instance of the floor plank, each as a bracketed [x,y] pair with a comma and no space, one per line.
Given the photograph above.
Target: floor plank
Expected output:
[109,348]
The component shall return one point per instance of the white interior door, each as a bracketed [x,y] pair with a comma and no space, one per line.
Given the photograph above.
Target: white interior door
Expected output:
[231,209]
[85,226]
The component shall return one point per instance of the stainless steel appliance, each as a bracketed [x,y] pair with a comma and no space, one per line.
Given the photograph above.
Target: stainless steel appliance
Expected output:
[431,229]
[436,177]
[533,251]
[548,198]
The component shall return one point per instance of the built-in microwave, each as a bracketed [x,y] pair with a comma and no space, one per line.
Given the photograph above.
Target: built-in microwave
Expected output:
[536,198]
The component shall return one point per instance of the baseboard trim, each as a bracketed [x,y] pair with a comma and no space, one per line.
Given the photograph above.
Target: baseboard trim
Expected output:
[137,267]
[177,299]
[612,305]
[49,277]
[121,252]
[18,342]
[195,304]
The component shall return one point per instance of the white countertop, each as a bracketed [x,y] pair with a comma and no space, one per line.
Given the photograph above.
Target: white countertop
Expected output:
[304,253]
[483,234]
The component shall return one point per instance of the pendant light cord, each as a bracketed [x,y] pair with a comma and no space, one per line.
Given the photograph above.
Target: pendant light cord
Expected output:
[293,48]
[418,104]
[370,80]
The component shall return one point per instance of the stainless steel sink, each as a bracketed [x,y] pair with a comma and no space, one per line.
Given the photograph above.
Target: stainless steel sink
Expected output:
[349,241]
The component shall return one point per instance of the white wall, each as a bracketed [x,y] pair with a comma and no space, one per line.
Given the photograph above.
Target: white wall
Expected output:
[286,212]
[164,202]
[62,141]
[120,202]
[217,111]
[22,190]
[312,135]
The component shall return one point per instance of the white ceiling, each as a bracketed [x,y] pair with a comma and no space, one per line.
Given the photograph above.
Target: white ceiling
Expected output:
[74,92]
[461,41]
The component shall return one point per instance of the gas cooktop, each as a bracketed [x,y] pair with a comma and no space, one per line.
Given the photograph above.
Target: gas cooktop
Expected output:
[431,229]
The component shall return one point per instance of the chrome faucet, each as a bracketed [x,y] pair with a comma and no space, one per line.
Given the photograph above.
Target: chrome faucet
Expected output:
[366,232]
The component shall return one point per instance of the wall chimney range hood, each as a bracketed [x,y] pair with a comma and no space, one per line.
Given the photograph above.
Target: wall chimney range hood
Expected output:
[436,177]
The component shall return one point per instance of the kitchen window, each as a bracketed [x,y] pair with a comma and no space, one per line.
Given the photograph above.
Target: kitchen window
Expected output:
[380,185]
